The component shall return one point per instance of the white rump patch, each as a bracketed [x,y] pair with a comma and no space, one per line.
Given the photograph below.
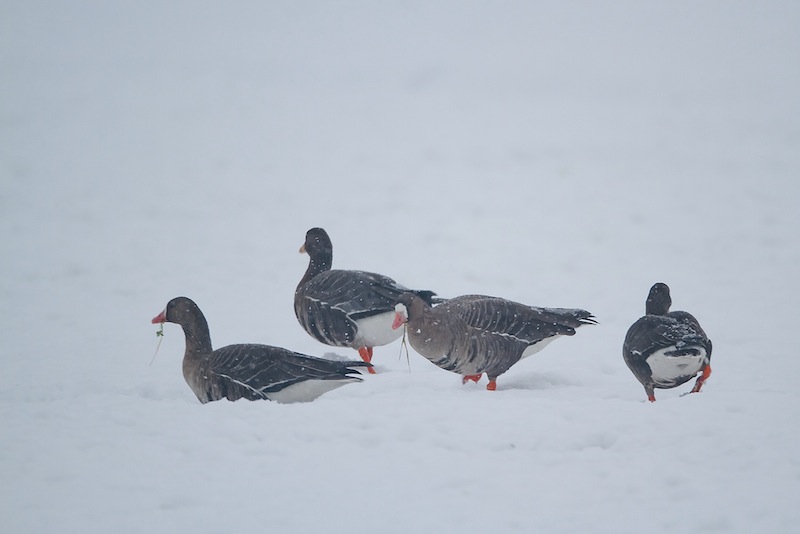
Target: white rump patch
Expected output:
[666,369]
[307,390]
[533,349]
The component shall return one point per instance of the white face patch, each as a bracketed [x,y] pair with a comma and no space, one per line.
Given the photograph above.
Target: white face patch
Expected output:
[401,308]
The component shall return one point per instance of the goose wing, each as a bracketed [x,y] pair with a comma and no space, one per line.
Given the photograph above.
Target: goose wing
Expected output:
[252,371]
[529,324]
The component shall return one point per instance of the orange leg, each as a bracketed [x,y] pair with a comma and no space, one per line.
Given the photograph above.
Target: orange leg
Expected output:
[474,378]
[366,355]
[492,385]
[702,380]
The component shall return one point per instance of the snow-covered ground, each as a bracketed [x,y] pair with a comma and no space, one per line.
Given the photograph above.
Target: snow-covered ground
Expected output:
[554,153]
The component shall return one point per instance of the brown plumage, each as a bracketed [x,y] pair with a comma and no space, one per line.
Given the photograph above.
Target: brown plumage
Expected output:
[665,349]
[250,371]
[346,308]
[475,334]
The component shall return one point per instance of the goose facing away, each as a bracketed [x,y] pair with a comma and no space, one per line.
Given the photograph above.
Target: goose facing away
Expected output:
[250,371]
[346,308]
[475,334]
[665,349]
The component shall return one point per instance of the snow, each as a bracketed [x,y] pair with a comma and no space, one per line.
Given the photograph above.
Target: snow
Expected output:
[562,154]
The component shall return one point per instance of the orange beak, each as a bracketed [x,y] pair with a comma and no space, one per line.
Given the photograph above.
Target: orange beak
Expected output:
[399,320]
[160,318]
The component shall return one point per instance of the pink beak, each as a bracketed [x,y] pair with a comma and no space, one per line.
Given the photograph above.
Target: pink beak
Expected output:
[399,321]
[160,318]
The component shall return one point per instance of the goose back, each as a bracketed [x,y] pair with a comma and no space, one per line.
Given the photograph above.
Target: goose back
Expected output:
[664,349]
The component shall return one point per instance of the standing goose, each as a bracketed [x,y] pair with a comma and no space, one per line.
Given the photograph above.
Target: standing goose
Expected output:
[475,334]
[665,349]
[249,371]
[346,308]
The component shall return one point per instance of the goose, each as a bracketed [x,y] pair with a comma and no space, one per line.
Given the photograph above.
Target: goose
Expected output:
[346,308]
[250,371]
[665,349]
[475,334]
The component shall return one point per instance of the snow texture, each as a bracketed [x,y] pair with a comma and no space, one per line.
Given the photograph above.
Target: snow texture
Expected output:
[562,154]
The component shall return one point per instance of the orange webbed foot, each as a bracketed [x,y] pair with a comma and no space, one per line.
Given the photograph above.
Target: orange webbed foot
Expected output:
[366,355]
[702,379]
[474,378]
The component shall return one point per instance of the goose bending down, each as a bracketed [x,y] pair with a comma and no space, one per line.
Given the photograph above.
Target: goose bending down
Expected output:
[475,334]
[346,308]
[250,371]
[665,349]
